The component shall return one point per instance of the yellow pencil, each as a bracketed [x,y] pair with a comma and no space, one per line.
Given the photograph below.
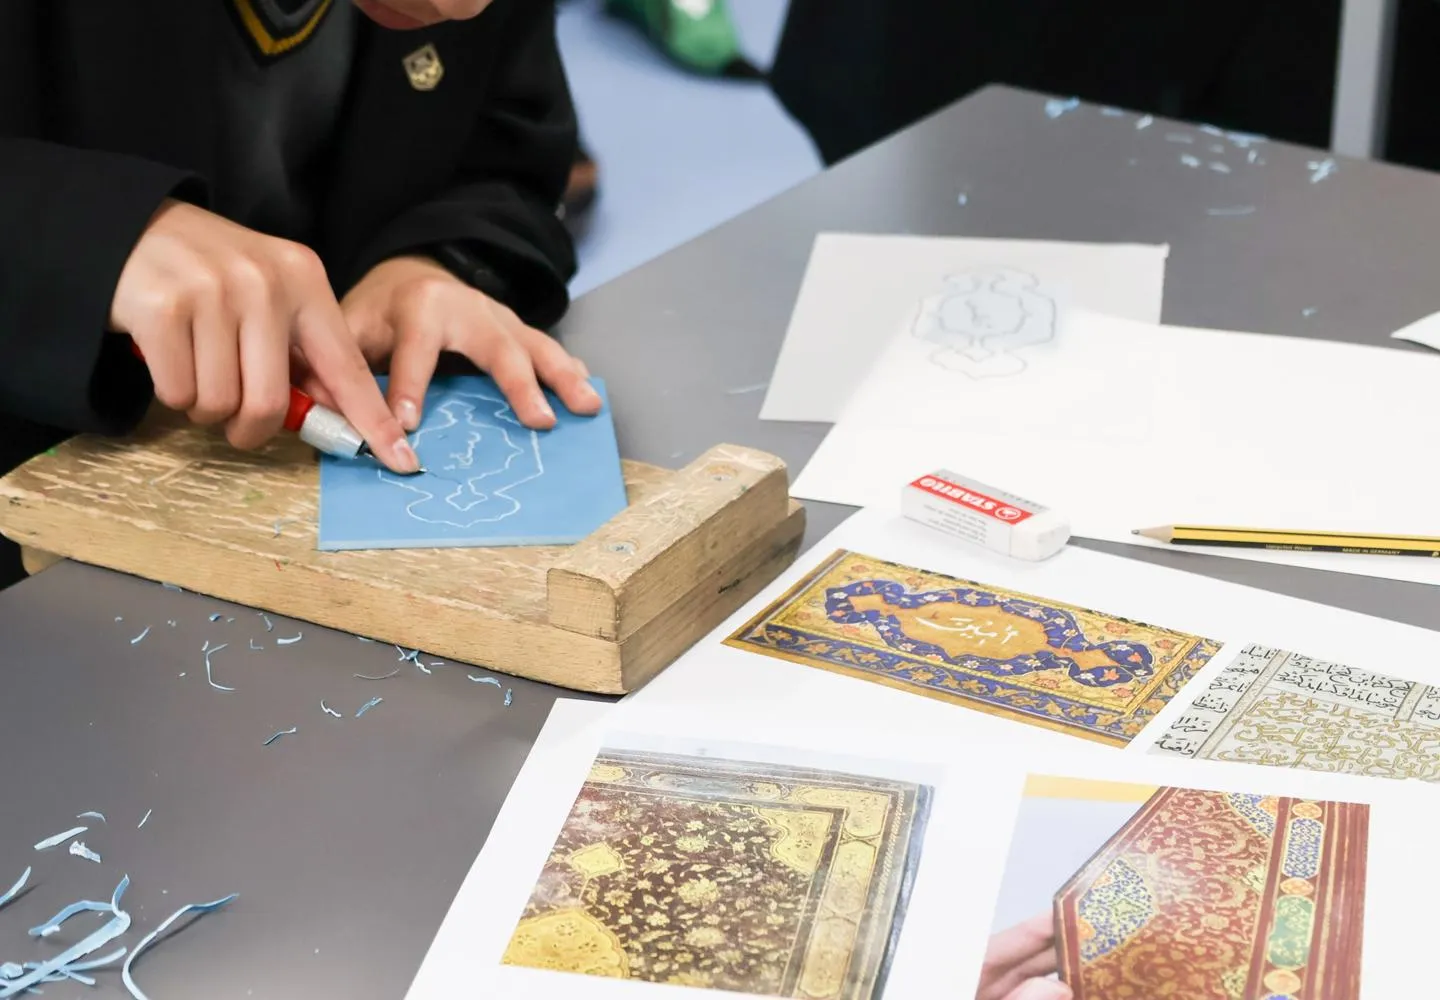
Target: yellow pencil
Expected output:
[1295,541]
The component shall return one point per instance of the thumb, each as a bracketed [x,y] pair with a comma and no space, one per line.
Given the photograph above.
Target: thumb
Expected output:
[1041,989]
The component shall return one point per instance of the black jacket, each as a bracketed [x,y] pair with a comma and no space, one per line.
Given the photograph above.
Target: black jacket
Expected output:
[110,109]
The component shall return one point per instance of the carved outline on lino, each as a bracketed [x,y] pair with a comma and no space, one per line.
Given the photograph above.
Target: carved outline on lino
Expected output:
[504,413]
[965,351]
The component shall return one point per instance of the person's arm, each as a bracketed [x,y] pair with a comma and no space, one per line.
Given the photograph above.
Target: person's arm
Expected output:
[496,227]
[69,219]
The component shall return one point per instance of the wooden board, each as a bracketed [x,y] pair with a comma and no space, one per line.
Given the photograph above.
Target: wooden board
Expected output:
[175,504]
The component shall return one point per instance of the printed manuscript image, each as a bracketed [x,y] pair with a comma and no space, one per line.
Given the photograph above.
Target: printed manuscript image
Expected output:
[1055,665]
[1283,709]
[754,878]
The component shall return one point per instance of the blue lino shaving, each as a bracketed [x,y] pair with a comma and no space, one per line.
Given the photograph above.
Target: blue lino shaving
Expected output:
[269,625]
[119,618]
[284,732]
[60,838]
[1145,122]
[406,654]
[378,677]
[328,710]
[363,639]
[1189,160]
[964,198]
[509,695]
[289,641]
[1178,137]
[114,928]
[172,623]
[1308,311]
[209,652]
[253,646]
[1252,156]
[1112,112]
[10,971]
[423,669]
[171,586]
[1220,168]
[78,848]
[92,815]
[367,706]
[484,680]
[1211,130]
[1237,210]
[216,617]
[146,818]
[1244,139]
[1321,169]
[1055,107]
[140,636]
[14,890]
[149,939]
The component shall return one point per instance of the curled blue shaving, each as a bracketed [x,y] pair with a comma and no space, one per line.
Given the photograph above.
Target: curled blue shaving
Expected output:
[269,625]
[1211,130]
[14,890]
[363,639]
[509,695]
[328,710]
[484,680]
[172,623]
[171,586]
[92,815]
[216,617]
[378,677]
[1308,311]
[423,669]
[1220,168]
[1190,161]
[140,636]
[1056,107]
[367,706]
[284,732]
[1236,210]
[253,646]
[114,928]
[1145,122]
[1244,139]
[209,676]
[1112,112]
[60,838]
[289,641]
[10,970]
[119,618]
[78,848]
[406,654]
[146,818]
[1321,169]
[149,939]
[1179,137]
[1253,156]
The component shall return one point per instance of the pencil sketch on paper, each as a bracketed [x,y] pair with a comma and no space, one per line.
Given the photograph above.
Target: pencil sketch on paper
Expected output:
[983,317]
[475,453]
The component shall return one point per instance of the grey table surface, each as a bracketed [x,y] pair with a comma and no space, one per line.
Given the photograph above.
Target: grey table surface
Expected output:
[347,839]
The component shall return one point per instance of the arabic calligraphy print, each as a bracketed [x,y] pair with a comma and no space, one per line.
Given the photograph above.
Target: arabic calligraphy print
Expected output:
[752,878]
[1216,896]
[983,318]
[1054,665]
[1283,709]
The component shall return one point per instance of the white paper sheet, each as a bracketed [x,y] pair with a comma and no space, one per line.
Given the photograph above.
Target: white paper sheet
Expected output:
[1126,425]
[858,289]
[1425,331]
[771,691]
[965,883]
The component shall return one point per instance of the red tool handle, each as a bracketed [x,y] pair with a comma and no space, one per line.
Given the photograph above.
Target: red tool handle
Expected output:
[300,403]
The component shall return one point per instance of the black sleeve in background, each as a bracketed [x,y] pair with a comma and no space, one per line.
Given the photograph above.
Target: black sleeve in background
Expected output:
[69,219]
[501,210]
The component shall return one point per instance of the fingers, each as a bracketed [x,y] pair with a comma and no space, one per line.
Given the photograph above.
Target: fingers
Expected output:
[412,366]
[1042,989]
[1013,946]
[514,373]
[214,330]
[567,375]
[165,339]
[341,369]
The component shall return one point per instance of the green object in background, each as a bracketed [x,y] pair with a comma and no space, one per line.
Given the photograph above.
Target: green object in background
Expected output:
[697,34]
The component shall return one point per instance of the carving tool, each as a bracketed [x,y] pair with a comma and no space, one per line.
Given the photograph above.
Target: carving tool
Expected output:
[318,426]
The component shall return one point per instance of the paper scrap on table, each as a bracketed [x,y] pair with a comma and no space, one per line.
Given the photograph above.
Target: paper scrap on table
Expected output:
[490,482]
[858,289]
[1127,425]
[1424,331]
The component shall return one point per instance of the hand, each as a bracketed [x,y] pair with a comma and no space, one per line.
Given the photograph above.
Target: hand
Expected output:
[409,309]
[1018,962]
[219,313]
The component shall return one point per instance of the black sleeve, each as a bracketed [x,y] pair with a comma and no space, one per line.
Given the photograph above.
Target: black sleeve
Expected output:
[69,219]
[501,211]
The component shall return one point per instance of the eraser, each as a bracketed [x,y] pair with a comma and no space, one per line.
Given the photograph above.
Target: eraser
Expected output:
[985,516]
